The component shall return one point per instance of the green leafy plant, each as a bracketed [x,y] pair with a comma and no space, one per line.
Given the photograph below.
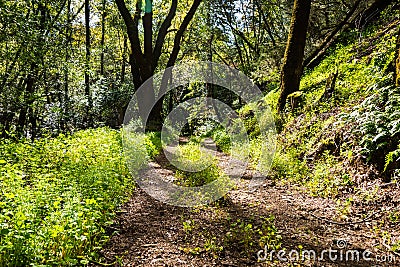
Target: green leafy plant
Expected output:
[211,246]
[58,197]
[153,143]
[392,157]
[378,125]
[250,237]
[188,226]
[222,139]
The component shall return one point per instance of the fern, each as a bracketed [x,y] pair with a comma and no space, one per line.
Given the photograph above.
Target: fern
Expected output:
[392,157]
[377,123]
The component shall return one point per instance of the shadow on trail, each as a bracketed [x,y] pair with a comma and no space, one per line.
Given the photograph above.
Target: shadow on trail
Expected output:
[150,233]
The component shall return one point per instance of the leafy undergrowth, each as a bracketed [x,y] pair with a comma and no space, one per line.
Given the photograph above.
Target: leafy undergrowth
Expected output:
[342,140]
[244,236]
[153,143]
[339,135]
[58,195]
[198,166]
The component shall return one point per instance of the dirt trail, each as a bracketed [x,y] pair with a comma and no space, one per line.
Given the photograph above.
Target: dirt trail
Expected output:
[149,233]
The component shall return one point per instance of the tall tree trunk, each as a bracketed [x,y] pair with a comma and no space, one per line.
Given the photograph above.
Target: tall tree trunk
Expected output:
[210,86]
[88,119]
[123,66]
[315,58]
[293,60]
[102,42]
[397,59]
[144,62]
[68,40]
[29,90]
[147,98]
[156,113]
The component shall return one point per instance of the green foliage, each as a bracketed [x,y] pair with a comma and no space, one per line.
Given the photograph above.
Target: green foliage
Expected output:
[58,195]
[200,178]
[188,226]
[314,146]
[109,97]
[357,70]
[222,139]
[343,208]
[153,143]
[261,155]
[249,119]
[244,235]
[34,46]
[392,157]
[327,177]
[249,237]
[136,150]
[377,123]
[200,166]
[287,165]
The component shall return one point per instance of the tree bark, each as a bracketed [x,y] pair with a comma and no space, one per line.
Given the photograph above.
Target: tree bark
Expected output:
[293,60]
[123,67]
[313,59]
[30,89]
[68,40]
[102,41]
[360,21]
[144,63]
[397,59]
[162,33]
[88,119]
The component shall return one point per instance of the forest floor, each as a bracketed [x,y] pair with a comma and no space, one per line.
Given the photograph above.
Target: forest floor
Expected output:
[147,232]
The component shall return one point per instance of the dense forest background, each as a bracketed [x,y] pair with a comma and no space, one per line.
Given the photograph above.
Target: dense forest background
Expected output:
[67,65]
[328,70]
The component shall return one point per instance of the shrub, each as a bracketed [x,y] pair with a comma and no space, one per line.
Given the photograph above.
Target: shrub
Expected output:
[198,167]
[222,139]
[377,124]
[249,237]
[153,143]
[58,195]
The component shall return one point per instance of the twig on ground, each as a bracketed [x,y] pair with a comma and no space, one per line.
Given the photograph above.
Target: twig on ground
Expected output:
[390,249]
[383,185]
[344,223]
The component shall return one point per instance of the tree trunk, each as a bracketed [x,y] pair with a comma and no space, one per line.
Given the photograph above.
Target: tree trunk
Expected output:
[102,42]
[144,63]
[88,119]
[30,89]
[397,59]
[293,60]
[123,66]
[68,41]
[315,58]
